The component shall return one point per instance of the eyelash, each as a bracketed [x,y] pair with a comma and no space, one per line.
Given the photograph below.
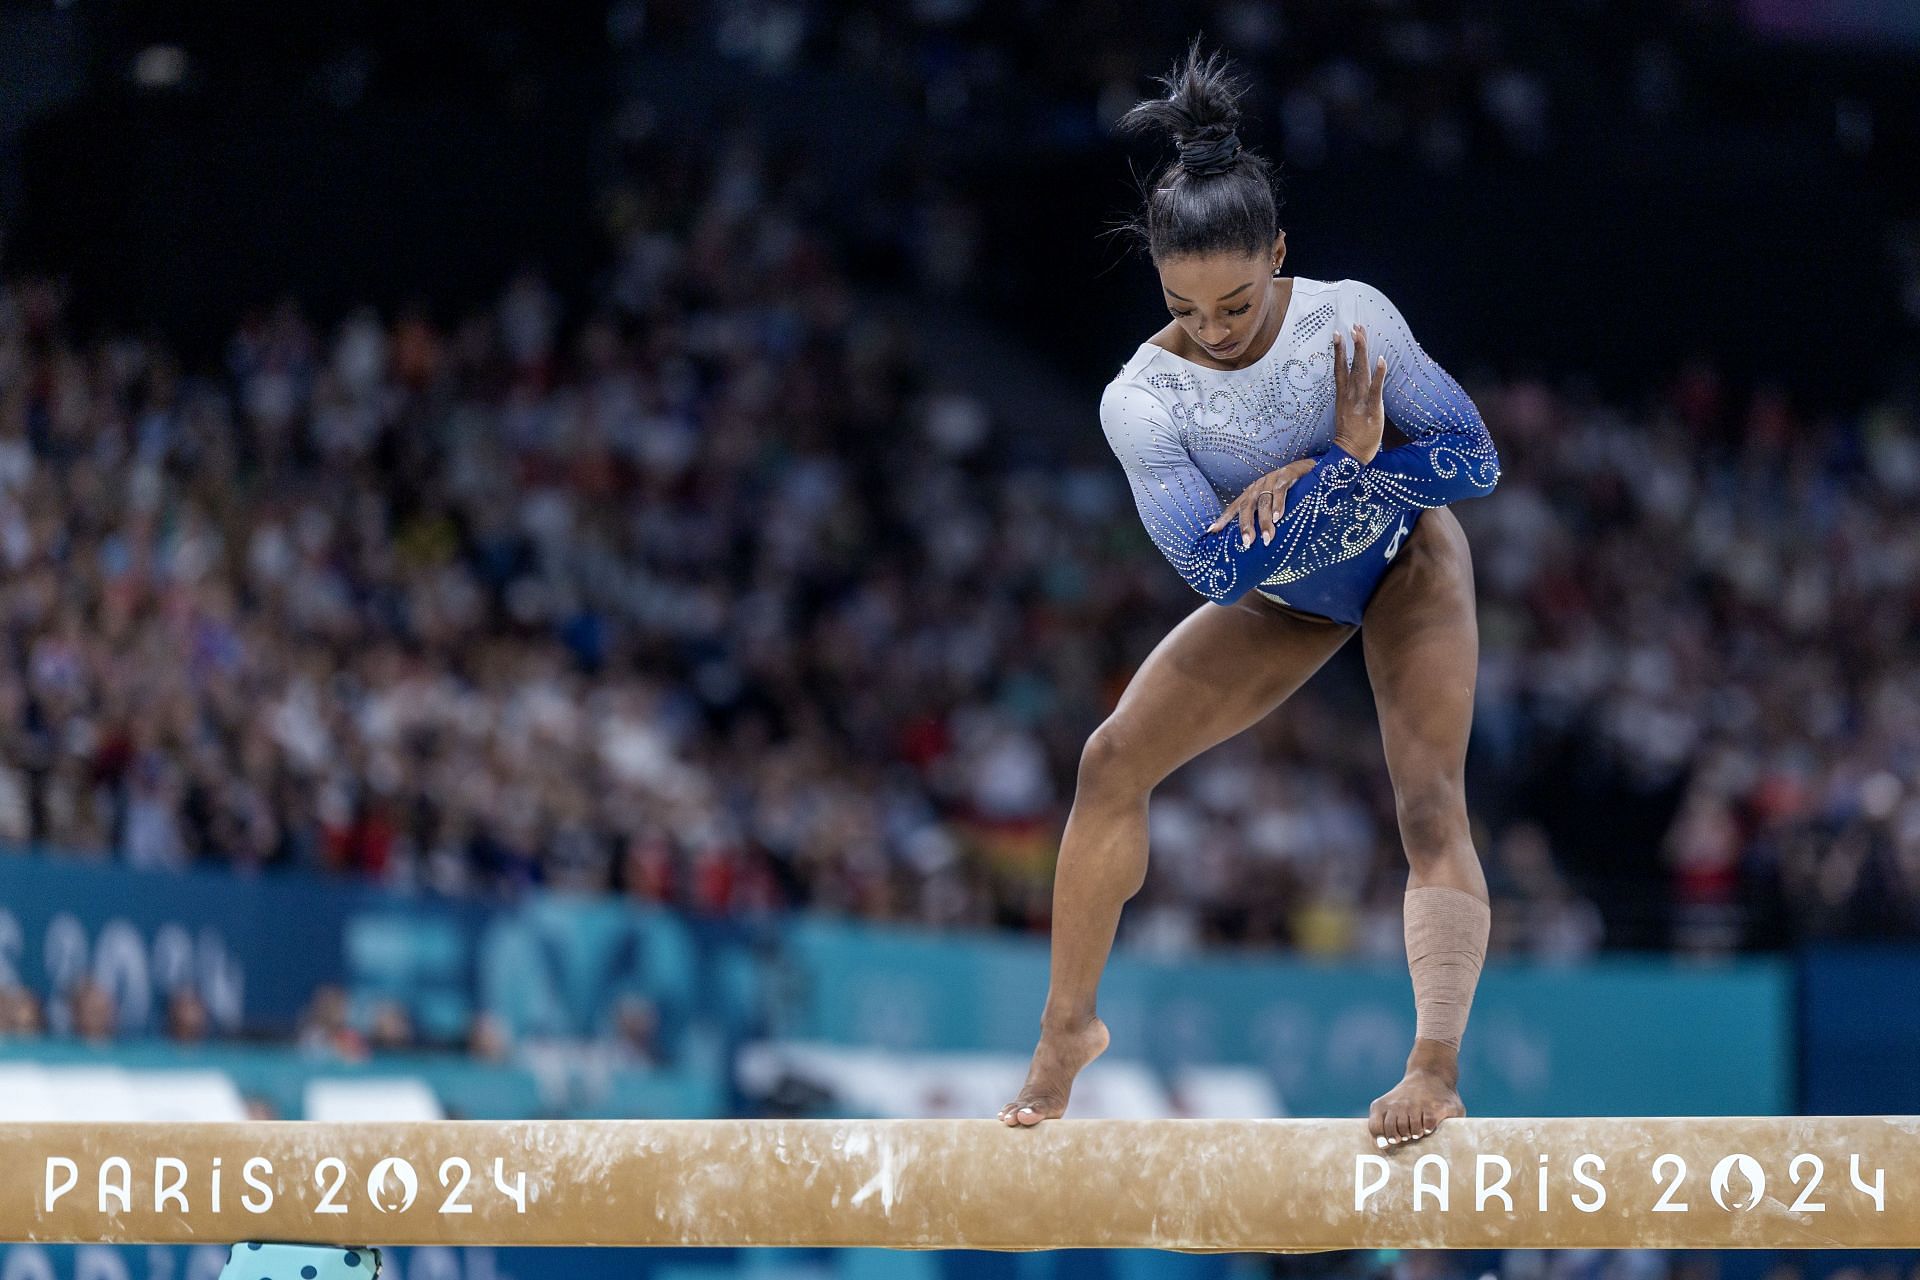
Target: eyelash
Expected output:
[1240,311]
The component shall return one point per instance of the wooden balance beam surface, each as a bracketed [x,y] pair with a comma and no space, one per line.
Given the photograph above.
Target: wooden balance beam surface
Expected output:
[1198,1185]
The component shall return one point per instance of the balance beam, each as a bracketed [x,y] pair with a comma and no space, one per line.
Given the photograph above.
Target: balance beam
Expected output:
[1195,1185]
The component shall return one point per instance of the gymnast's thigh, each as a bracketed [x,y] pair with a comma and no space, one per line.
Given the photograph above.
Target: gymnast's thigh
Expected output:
[1422,644]
[1223,668]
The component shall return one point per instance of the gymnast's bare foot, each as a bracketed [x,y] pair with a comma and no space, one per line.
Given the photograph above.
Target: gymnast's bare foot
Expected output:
[1425,1096]
[1060,1056]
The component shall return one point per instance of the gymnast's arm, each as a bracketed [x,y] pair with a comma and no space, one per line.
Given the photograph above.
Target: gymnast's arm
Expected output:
[1448,455]
[1177,504]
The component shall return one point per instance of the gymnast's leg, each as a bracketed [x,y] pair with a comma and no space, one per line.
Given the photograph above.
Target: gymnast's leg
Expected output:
[1422,647]
[1222,669]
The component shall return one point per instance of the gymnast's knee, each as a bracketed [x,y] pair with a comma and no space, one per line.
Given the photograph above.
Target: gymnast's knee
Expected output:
[1112,767]
[1433,822]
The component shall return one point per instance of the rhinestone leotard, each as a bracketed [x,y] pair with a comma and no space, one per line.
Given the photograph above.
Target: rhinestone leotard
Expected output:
[1192,438]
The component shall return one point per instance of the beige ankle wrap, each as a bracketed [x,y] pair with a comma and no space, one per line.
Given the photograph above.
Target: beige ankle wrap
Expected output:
[1446,945]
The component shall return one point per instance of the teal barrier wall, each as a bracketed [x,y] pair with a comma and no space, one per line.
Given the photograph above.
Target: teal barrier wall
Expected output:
[1621,1037]
[254,947]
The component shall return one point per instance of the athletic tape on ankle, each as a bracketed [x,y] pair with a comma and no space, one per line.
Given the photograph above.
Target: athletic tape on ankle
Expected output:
[1446,932]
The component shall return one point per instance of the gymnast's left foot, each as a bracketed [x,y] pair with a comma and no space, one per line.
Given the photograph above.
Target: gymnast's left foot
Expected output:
[1425,1096]
[1063,1052]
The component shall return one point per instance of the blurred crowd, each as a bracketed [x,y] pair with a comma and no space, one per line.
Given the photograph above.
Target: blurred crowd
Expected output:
[1436,86]
[713,597]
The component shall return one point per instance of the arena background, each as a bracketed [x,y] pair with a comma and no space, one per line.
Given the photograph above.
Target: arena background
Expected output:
[558,559]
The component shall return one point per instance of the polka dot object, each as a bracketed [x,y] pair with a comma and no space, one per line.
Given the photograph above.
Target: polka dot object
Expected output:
[300,1262]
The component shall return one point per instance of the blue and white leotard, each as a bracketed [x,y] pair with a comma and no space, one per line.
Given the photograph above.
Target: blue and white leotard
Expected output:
[1192,438]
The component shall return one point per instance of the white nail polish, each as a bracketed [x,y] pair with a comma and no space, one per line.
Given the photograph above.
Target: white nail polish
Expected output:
[1381,1143]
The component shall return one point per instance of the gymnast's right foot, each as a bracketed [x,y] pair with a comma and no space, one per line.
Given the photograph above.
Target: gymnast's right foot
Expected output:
[1062,1053]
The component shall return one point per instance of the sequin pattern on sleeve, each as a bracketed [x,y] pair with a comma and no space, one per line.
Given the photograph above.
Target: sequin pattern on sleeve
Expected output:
[1448,455]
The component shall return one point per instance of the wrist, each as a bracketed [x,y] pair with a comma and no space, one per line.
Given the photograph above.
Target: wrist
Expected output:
[1362,454]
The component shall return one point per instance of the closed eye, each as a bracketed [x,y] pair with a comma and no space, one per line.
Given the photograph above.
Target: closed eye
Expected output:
[1240,310]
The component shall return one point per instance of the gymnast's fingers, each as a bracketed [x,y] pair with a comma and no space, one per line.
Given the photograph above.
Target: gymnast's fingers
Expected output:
[1283,482]
[1339,366]
[1267,506]
[1379,386]
[1359,380]
[1226,514]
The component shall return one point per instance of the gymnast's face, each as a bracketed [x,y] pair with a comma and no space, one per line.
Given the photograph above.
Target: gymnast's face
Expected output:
[1223,300]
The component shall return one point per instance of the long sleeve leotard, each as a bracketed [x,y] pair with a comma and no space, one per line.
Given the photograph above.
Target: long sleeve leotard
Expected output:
[1192,438]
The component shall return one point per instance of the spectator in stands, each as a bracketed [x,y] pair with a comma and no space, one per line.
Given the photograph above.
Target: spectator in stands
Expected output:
[326,1030]
[20,1014]
[635,1032]
[187,1019]
[93,1013]
[488,1038]
[391,1028]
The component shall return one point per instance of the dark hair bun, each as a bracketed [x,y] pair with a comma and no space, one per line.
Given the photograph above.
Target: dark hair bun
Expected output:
[1218,196]
[1200,112]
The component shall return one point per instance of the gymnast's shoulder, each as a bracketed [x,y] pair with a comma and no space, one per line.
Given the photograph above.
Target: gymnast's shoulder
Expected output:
[1345,302]
[1130,406]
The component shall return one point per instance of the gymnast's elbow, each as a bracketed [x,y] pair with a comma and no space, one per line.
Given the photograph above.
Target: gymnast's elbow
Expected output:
[1481,473]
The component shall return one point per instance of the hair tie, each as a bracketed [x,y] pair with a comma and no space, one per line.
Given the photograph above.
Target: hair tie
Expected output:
[1215,155]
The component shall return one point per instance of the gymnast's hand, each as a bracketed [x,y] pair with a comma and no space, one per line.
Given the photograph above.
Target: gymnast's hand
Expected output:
[1359,405]
[1263,503]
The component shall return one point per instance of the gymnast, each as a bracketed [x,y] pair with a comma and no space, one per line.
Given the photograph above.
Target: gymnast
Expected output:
[1250,430]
